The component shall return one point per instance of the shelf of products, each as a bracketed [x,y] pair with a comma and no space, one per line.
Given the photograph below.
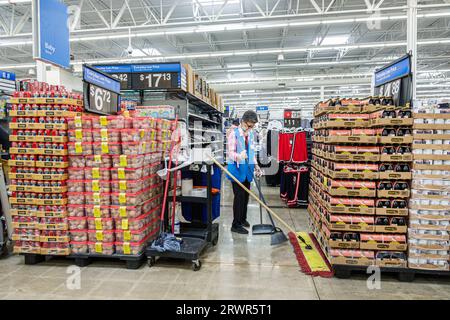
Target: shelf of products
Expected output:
[428,237]
[360,182]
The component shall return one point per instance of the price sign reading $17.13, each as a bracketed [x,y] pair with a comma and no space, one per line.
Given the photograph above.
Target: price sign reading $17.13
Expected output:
[163,80]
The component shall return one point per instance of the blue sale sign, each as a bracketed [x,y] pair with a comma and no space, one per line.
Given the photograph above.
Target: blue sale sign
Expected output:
[101,80]
[53,44]
[394,71]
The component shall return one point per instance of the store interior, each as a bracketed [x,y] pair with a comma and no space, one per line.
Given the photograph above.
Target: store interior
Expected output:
[133,137]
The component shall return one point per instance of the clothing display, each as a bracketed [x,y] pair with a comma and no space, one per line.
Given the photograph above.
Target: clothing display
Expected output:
[292,147]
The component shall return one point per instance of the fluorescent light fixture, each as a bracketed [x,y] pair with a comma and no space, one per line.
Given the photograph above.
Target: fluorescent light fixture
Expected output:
[145,52]
[280,57]
[247,91]
[14,1]
[215,2]
[333,40]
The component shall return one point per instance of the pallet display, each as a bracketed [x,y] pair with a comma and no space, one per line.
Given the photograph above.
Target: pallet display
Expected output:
[429,227]
[361,182]
[38,164]
[115,192]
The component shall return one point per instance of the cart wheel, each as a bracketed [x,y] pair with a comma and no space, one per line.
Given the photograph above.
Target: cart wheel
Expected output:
[215,241]
[151,261]
[196,265]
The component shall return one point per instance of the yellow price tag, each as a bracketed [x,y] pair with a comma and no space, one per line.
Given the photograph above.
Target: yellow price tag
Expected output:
[78,123]
[98,224]
[99,235]
[123,160]
[104,134]
[127,235]
[95,173]
[97,212]
[103,121]
[126,113]
[96,198]
[105,147]
[78,134]
[97,158]
[95,185]
[98,247]
[123,184]
[126,248]
[142,133]
[78,147]
[124,224]
[123,211]
[122,198]
[144,145]
[121,173]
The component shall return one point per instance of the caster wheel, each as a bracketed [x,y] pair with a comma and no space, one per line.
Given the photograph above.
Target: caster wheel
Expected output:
[151,262]
[196,265]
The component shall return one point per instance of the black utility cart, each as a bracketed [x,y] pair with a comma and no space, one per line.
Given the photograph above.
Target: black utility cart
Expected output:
[196,236]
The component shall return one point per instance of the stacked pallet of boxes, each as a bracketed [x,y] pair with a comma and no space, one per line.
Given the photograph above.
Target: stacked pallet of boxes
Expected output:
[39,168]
[114,189]
[360,181]
[429,205]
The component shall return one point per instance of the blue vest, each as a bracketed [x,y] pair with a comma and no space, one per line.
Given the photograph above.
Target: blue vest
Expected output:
[246,167]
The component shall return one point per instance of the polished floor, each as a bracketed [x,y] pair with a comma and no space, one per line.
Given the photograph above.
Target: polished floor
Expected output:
[239,267]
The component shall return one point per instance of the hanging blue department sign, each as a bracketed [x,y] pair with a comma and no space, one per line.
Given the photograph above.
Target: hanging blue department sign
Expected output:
[394,71]
[51,32]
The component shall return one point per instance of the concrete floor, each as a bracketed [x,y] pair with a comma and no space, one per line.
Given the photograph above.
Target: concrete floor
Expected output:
[239,267]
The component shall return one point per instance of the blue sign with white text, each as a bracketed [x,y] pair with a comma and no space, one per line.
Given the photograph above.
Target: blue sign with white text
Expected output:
[7,75]
[393,72]
[101,80]
[136,68]
[54,45]
[122,68]
[262,108]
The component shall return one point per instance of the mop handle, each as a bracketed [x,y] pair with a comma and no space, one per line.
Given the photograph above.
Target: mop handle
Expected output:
[251,193]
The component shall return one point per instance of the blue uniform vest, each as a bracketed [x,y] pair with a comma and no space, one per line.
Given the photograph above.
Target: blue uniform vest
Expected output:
[246,167]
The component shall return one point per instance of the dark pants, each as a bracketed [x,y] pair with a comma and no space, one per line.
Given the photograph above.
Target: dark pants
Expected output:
[240,203]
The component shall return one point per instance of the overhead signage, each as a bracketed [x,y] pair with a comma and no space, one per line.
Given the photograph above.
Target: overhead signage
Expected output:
[262,108]
[7,81]
[396,70]
[147,76]
[101,91]
[51,32]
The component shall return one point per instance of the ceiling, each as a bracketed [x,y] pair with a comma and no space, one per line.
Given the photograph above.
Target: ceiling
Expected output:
[281,53]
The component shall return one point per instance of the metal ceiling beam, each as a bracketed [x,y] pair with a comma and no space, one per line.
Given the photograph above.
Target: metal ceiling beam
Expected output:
[22,22]
[316,6]
[171,10]
[219,13]
[100,15]
[119,15]
[261,11]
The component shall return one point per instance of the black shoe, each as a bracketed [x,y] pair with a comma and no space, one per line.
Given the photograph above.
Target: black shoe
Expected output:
[239,229]
[246,224]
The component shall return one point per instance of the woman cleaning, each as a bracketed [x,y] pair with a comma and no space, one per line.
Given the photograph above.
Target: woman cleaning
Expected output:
[242,164]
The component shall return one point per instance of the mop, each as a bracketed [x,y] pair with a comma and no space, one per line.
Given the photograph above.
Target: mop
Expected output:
[307,246]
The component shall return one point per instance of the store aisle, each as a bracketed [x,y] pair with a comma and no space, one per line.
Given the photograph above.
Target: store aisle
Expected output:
[240,267]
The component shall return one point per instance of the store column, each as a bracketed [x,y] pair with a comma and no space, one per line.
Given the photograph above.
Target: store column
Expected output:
[412,41]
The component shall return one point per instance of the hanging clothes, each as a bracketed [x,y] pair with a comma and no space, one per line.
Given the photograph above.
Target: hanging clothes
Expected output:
[292,147]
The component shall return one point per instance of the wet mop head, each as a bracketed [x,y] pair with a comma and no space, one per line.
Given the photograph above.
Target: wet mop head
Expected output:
[312,262]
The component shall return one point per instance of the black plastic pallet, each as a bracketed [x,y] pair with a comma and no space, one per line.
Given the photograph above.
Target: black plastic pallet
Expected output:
[133,262]
[404,274]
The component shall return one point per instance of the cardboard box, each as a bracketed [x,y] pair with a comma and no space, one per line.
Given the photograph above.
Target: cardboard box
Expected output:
[369,108]
[391,229]
[38,139]
[190,79]
[396,158]
[38,126]
[352,139]
[19,163]
[53,226]
[38,189]
[25,225]
[35,250]
[383,246]
[52,164]
[388,122]
[431,136]
[391,212]
[431,126]
[431,157]
[55,251]
[341,123]
[391,263]
[54,239]
[430,267]
[352,261]
[38,151]
[350,227]
[431,115]
[395,175]
[24,237]
[393,194]
[344,244]
[354,157]
[396,140]
[40,177]
[352,192]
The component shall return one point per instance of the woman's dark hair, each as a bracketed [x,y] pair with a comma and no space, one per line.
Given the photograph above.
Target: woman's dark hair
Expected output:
[236,122]
[250,116]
